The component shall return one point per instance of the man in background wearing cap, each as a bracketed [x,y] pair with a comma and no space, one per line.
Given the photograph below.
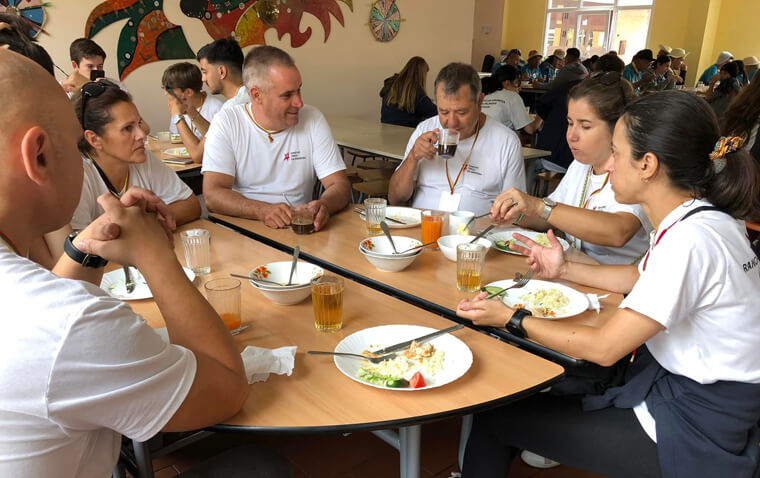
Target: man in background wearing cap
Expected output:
[531,71]
[552,64]
[712,70]
[751,64]
[664,50]
[678,64]
[573,69]
[634,71]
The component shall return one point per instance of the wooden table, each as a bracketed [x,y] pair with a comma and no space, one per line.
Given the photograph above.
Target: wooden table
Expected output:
[317,397]
[158,148]
[386,139]
[429,283]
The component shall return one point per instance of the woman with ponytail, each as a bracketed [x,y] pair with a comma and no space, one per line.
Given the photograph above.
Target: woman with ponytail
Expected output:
[690,402]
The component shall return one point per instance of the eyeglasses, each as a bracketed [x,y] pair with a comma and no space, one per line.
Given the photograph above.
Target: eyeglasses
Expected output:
[92,89]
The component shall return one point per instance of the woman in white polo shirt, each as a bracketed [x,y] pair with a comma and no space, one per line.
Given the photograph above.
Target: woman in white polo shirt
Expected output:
[690,402]
[583,205]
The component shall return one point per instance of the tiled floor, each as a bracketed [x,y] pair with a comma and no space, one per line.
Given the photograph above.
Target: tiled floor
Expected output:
[359,455]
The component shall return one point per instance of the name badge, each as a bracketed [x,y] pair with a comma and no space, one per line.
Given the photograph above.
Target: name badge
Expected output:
[449,202]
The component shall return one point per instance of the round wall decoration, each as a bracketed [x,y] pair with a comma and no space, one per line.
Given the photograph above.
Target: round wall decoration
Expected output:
[31,11]
[384,20]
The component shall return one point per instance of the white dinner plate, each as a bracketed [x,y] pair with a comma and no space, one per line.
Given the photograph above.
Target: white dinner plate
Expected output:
[408,215]
[506,235]
[578,301]
[457,357]
[178,152]
[113,283]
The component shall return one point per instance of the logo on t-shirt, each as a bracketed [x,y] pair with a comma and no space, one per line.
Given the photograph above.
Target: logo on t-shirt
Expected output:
[287,157]
[294,156]
[472,169]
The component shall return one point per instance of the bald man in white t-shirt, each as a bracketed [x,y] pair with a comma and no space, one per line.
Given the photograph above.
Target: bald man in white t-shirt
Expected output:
[261,155]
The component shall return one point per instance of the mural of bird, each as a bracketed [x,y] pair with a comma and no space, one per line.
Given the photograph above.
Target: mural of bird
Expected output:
[149,36]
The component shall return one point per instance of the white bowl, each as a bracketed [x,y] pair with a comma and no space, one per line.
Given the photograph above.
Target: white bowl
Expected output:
[380,246]
[278,272]
[448,244]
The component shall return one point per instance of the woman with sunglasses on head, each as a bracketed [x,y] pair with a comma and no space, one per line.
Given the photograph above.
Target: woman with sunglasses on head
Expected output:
[583,205]
[690,402]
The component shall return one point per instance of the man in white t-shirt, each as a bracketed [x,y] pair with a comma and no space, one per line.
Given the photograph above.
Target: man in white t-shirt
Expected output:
[487,158]
[80,368]
[191,109]
[262,155]
[221,63]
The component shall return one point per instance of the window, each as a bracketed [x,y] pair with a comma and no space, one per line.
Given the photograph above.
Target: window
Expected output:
[598,26]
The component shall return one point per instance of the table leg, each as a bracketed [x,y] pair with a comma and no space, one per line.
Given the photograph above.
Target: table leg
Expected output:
[409,438]
[464,434]
[142,457]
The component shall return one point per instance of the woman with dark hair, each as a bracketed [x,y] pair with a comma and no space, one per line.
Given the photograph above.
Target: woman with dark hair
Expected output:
[723,88]
[742,118]
[502,100]
[405,101]
[583,205]
[664,78]
[741,76]
[690,402]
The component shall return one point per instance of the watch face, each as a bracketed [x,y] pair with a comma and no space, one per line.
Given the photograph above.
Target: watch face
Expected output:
[550,202]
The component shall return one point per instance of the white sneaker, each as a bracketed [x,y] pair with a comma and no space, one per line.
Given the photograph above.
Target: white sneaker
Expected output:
[537,461]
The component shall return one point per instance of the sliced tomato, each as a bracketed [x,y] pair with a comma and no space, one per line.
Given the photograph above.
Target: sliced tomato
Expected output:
[417,381]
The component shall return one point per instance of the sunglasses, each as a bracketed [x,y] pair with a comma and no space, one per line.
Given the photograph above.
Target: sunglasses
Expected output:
[92,89]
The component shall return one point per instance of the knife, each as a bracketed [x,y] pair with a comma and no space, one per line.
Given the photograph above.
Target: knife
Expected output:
[424,338]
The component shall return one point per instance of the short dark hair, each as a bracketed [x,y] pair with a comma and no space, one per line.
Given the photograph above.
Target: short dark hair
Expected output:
[259,60]
[455,75]
[572,53]
[82,48]
[731,68]
[495,82]
[18,40]
[224,51]
[683,149]
[183,75]
[662,59]
[97,114]
[645,54]
[610,62]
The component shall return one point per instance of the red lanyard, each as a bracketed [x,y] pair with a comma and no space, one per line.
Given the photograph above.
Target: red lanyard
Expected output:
[659,238]
[466,162]
[10,243]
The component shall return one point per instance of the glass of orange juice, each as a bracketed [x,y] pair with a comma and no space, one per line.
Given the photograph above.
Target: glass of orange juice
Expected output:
[432,226]
[224,297]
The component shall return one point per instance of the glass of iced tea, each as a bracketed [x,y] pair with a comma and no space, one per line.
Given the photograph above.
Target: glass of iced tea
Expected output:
[447,142]
[374,213]
[224,297]
[302,219]
[470,258]
[327,297]
[432,227]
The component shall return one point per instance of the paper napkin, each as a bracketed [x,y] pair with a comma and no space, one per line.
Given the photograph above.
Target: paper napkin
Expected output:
[260,362]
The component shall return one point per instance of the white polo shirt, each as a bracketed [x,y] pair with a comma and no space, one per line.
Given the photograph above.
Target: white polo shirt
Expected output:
[496,164]
[579,185]
[210,107]
[507,108]
[263,170]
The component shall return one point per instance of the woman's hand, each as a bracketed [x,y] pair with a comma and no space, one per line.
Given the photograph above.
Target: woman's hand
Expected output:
[511,203]
[484,312]
[546,262]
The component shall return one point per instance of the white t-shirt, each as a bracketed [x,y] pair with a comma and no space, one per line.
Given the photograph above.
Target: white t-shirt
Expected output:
[79,369]
[263,170]
[210,107]
[242,97]
[496,164]
[152,175]
[570,191]
[507,108]
[702,283]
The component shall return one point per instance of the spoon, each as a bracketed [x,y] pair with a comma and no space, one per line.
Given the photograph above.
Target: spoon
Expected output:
[419,247]
[387,231]
[483,233]
[253,279]
[296,251]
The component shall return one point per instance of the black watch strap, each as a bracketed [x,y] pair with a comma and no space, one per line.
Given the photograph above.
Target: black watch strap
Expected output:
[514,324]
[86,260]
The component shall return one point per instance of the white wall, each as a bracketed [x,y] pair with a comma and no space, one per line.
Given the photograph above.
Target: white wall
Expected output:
[342,76]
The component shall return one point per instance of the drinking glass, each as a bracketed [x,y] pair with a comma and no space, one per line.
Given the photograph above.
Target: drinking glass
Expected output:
[327,297]
[197,250]
[224,297]
[447,142]
[374,212]
[457,221]
[302,219]
[470,258]
[432,226]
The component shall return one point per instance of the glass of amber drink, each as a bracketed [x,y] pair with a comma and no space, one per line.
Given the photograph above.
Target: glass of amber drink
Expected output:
[224,297]
[432,227]
[327,297]
[374,213]
[470,258]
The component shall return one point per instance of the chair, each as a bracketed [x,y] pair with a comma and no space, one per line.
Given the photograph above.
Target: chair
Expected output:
[545,183]
[488,62]
[358,154]
[377,188]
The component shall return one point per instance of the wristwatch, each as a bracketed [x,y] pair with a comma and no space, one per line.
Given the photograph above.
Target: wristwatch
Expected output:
[514,324]
[86,260]
[176,119]
[549,205]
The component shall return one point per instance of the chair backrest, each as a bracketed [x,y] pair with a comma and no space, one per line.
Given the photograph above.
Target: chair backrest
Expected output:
[488,61]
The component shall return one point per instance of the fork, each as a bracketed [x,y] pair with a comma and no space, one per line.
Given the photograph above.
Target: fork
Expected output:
[519,283]
[379,359]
